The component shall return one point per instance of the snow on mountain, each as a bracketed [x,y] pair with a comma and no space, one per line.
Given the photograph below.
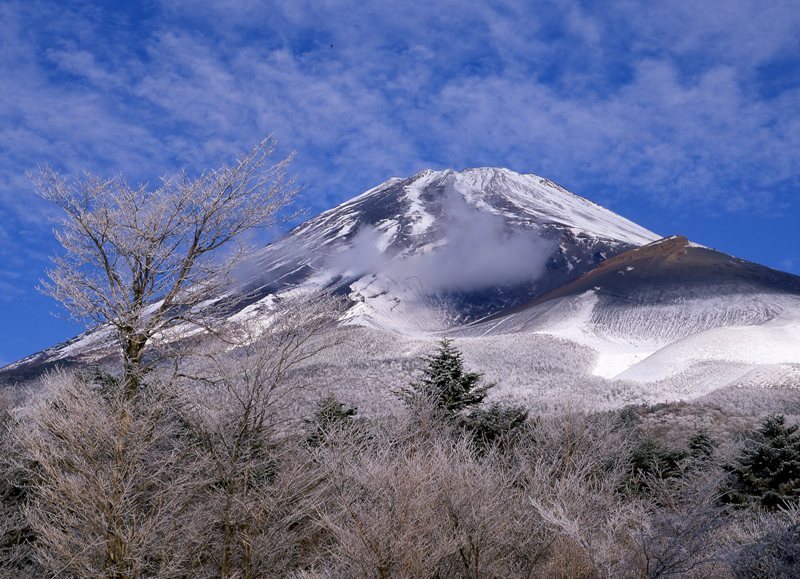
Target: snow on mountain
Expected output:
[425,254]
[774,342]
[571,319]
[444,247]
[545,201]
[659,310]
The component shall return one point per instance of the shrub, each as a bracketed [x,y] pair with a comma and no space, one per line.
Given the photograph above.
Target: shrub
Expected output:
[768,470]
[495,424]
[776,554]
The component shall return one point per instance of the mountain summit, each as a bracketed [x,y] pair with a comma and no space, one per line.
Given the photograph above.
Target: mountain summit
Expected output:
[443,248]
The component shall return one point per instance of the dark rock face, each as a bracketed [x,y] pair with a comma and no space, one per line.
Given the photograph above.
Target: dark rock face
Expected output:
[667,290]
[674,269]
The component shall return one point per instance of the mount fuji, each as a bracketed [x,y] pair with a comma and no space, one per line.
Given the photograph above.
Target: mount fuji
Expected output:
[445,248]
[514,264]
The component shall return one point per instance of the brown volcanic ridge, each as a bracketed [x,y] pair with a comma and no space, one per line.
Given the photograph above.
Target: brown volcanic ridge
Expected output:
[670,269]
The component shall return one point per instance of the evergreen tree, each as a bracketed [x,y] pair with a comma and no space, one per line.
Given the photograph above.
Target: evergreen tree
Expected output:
[493,425]
[652,460]
[330,413]
[701,445]
[457,395]
[768,471]
[445,384]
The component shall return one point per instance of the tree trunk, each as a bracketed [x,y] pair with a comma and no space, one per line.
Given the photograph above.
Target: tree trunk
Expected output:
[133,347]
[116,546]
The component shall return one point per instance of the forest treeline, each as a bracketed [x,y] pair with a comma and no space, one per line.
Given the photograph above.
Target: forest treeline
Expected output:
[217,475]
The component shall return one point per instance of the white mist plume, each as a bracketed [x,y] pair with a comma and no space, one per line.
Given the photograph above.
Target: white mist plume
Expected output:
[478,251]
[363,256]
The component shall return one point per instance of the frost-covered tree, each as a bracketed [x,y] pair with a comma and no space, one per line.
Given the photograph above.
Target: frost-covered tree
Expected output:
[184,479]
[140,260]
[106,482]
[768,471]
[240,406]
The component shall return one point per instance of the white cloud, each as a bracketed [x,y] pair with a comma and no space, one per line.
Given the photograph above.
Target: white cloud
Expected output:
[478,251]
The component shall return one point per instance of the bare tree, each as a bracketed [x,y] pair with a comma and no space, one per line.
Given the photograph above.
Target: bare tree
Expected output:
[239,407]
[142,259]
[414,499]
[572,473]
[15,533]
[181,479]
[679,538]
[106,496]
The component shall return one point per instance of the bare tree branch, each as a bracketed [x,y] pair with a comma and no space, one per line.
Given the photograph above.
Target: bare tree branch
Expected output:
[139,259]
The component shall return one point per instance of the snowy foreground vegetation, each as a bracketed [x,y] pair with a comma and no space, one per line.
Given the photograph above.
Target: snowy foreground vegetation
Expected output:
[234,465]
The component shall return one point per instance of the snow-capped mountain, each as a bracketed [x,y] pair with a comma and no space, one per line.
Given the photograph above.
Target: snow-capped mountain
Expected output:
[512,263]
[425,253]
[444,248]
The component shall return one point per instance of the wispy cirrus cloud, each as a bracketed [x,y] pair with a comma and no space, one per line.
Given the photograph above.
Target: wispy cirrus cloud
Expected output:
[360,89]
[672,108]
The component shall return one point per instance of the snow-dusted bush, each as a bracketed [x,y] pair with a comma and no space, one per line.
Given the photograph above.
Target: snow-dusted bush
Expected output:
[428,509]
[213,475]
[107,479]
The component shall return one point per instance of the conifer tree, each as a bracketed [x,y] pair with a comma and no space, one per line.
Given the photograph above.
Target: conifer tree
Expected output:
[330,413]
[445,383]
[768,472]
[652,460]
[701,445]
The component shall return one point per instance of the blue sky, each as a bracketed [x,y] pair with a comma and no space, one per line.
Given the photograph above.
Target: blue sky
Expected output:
[684,117]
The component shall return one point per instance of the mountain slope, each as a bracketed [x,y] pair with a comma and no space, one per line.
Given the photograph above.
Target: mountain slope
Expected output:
[422,254]
[654,311]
